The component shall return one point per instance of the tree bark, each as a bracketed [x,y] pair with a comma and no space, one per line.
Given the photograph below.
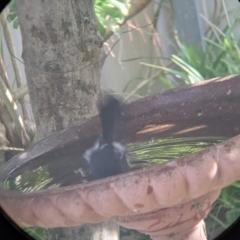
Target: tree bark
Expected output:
[63,58]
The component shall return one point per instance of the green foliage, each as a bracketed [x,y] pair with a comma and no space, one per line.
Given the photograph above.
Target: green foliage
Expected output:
[110,14]
[194,67]
[35,233]
[12,16]
[225,211]
[218,59]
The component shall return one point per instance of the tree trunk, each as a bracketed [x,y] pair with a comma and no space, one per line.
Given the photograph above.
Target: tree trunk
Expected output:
[63,59]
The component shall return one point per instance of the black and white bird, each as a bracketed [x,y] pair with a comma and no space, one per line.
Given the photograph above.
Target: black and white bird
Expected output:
[107,157]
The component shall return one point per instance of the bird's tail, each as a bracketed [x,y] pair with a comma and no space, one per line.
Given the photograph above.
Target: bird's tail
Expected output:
[110,115]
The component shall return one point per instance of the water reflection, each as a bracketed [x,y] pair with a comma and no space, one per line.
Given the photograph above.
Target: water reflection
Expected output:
[155,151]
[31,181]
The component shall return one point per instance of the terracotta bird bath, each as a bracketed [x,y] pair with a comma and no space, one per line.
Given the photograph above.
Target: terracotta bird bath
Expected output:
[165,201]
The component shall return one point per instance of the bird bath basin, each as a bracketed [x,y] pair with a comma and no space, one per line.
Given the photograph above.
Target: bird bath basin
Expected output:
[46,186]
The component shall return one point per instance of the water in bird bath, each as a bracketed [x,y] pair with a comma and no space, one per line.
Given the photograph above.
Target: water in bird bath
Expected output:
[62,170]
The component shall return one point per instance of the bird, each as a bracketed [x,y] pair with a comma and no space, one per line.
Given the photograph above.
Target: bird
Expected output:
[107,157]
